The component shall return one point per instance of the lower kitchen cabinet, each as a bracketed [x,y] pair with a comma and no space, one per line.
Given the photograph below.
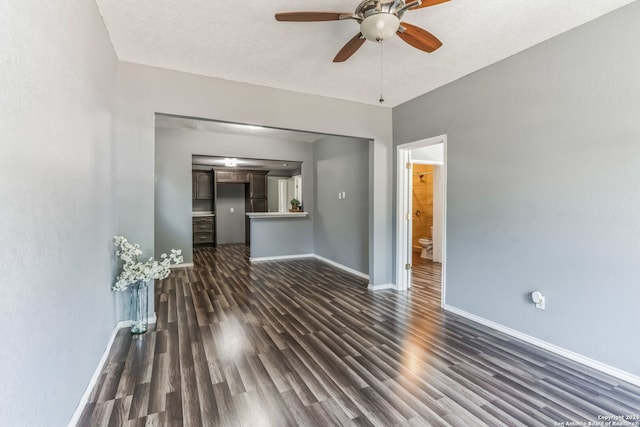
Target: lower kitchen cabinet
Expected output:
[204,230]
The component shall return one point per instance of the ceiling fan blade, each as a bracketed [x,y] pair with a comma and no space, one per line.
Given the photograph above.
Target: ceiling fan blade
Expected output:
[419,38]
[309,16]
[427,3]
[349,48]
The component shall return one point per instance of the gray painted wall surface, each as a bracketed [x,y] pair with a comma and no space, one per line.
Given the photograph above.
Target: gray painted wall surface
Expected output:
[230,226]
[57,219]
[143,91]
[281,236]
[543,169]
[173,151]
[341,225]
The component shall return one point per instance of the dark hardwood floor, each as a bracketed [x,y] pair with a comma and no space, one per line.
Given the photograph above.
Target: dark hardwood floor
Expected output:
[426,277]
[299,342]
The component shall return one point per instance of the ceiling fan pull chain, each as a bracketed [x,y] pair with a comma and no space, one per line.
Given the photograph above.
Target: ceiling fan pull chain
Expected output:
[381,98]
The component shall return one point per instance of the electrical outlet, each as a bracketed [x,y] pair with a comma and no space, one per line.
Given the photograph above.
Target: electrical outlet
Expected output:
[231,209]
[344,195]
[339,196]
[539,300]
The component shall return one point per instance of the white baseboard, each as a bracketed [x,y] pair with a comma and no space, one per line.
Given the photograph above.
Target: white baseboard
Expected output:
[279,257]
[127,323]
[96,374]
[182,265]
[321,258]
[342,267]
[568,354]
[381,287]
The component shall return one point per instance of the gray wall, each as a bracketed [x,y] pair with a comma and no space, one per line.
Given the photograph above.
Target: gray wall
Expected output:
[341,225]
[145,90]
[173,151]
[57,219]
[543,169]
[230,226]
[280,237]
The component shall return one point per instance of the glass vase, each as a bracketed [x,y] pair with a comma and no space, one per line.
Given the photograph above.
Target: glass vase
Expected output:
[139,307]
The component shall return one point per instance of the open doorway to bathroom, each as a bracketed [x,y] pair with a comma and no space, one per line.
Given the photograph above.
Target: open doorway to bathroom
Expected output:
[421,217]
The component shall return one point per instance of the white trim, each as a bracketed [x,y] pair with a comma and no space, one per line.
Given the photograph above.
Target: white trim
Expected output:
[568,354]
[269,215]
[424,142]
[381,287]
[94,379]
[403,276]
[280,257]
[96,374]
[426,162]
[183,265]
[127,323]
[342,267]
[443,232]
[318,257]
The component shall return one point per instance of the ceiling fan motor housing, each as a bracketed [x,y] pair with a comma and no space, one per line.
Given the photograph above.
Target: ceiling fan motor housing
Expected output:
[379,19]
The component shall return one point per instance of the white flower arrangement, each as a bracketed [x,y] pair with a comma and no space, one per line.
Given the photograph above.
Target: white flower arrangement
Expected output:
[134,271]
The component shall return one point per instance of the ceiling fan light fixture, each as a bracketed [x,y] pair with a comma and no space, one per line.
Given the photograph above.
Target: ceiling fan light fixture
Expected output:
[379,26]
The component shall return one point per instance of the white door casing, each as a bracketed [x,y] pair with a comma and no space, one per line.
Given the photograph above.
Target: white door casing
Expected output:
[403,211]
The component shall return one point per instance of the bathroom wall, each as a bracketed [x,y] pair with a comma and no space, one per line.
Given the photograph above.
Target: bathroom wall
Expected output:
[422,201]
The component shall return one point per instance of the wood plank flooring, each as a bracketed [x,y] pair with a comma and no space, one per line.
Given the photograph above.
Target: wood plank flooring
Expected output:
[299,342]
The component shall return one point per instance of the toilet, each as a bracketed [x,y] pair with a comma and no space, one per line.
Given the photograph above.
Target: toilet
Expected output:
[427,247]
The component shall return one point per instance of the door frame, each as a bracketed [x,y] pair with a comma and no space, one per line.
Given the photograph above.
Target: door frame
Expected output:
[403,217]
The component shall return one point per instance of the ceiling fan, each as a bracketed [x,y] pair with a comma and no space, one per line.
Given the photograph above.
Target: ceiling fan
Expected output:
[379,20]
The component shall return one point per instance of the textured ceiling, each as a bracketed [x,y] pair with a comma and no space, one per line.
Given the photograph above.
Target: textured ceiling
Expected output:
[242,41]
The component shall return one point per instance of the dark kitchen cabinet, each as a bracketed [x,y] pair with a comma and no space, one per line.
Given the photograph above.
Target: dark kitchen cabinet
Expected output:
[258,191]
[204,229]
[258,205]
[202,185]
[232,177]
[258,185]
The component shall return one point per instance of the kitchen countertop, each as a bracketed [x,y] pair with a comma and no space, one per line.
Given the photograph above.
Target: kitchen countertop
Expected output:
[202,213]
[262,215]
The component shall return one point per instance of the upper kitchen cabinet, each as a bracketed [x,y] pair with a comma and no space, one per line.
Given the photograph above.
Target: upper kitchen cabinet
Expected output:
[258,191]
[202,184]
[258,184]
[232,176]
[255,191]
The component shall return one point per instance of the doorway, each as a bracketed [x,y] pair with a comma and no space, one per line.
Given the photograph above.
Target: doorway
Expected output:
[431,151]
